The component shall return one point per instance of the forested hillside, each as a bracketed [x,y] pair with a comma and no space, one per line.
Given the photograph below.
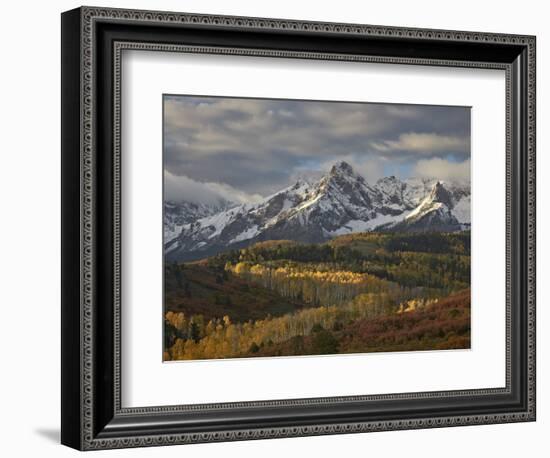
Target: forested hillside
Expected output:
[355,293]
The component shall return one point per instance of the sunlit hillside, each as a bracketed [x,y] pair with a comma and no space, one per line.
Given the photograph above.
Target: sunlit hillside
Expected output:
[356,293]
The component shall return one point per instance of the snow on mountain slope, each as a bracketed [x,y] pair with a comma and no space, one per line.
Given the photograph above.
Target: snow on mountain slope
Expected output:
[178,214]
[436,211]
[341,202]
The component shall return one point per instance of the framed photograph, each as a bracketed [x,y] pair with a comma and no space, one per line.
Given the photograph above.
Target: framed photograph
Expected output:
[278,228]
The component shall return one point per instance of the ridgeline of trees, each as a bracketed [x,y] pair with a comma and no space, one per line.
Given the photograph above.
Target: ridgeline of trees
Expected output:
[347,249]
[407,259]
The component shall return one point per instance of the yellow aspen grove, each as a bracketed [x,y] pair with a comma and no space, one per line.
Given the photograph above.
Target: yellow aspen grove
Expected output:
[227,340]
[312,286]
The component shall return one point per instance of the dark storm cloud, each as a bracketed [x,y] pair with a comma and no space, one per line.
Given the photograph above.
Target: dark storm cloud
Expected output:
[256,145]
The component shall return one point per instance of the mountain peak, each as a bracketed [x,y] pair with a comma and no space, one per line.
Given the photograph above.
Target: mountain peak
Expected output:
[341,167]
[315,209]
[440,194]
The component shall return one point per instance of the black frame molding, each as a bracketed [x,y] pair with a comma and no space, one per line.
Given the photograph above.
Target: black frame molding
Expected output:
[93,40]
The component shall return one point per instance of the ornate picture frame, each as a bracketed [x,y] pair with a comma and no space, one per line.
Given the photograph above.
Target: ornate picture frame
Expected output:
[93,416]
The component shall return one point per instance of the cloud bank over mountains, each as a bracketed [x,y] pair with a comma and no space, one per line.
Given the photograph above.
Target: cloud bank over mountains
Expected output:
[245,149]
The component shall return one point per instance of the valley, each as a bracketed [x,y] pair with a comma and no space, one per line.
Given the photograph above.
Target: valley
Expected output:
[362,292]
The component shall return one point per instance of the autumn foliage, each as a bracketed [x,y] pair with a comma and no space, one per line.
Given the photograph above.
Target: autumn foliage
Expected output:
[354,294]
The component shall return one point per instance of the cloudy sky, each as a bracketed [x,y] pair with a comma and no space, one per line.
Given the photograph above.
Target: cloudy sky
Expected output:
[243,149]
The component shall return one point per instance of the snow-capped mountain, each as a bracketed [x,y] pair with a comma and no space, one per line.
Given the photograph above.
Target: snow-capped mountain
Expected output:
[445,208]
[178,214]
[341,202]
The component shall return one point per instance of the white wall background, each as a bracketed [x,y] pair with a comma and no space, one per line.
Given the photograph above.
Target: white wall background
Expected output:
[30,240]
